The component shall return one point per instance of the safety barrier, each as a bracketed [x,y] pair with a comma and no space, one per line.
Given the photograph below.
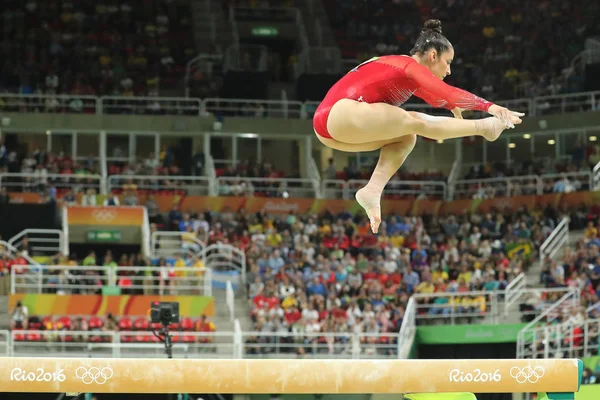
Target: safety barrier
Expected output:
[573,102]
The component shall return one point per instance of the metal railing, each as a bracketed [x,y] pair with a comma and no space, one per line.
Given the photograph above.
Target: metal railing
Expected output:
[513,291]
[92,279]
[564,340]
[228,260]
[47,103]
[347,189]
[485,307]
[167,244]
[288,109]
[527,335]
[10,102]
[5,343]
[123,344]
[320,345]
[151,105]
[293,187]
[39,182]
[408,330]
[191,185]
[596,177]
[14,252]
[269,187]
[555,241]
[230,299]
[518,185]
[40,241]
[457,307]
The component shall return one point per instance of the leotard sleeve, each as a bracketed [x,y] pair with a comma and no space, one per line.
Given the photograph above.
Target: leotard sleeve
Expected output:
[441,95]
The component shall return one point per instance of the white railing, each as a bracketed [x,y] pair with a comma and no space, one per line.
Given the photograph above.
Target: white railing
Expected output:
[14,252]
[41,241]
[563,340]
[167,244]
[408,330]
[50,103]
[123,344]
[315,176]
[347,189]
[230,299]
[571,102]
[297,188]
[151,105]
[583,101]
[497,187]
[527,335]
[5,343]
[486,307]
[254,108]
[65,229]
[271,187]
[39,182]
[320,345]
[555,241]
[596,177]
[513,291]
[227,261]
[465,307]
[91,279]
[191,185]
[146,241]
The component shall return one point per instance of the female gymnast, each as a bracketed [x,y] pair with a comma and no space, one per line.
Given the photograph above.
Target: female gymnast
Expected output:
[360,112]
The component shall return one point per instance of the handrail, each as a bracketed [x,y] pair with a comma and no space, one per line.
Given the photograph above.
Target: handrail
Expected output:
[513,291]
[572,295]
[596,177]
[14,250]
[230,299]
[17,240]
[556,240]
[36,278]
[211,184]
[532,106]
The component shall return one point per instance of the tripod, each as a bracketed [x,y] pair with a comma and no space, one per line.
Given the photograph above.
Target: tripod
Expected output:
[165,338]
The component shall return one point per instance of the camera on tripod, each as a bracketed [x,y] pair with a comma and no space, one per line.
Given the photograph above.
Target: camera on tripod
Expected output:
[165,313]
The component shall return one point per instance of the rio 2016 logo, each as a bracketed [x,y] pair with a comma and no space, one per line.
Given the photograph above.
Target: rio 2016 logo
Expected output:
[20,375]
[476,375]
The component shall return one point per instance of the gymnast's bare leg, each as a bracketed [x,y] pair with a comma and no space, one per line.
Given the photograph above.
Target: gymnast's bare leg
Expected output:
[358,127]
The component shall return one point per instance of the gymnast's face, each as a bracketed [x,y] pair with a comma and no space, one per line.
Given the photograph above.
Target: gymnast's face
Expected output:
[439,64]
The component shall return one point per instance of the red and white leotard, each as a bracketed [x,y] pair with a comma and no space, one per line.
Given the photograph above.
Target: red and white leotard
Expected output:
[393,80]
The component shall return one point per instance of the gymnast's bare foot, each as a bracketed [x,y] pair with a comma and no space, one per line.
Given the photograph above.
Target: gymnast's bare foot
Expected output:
[370,199]
[491,128]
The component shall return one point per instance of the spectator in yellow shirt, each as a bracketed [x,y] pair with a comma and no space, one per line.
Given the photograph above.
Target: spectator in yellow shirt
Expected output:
[273,238]
[591,231]
[397,240]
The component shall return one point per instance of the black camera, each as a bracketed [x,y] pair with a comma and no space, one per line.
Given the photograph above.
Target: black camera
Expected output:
[165,313]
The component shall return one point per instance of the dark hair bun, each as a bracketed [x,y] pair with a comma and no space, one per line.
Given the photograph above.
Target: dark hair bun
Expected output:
[434,25]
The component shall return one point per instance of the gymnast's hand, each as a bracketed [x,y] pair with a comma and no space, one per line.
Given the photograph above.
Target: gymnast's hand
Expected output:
[458,112]
[509,118]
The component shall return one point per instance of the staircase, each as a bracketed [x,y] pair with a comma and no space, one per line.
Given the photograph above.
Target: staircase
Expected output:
[211,26]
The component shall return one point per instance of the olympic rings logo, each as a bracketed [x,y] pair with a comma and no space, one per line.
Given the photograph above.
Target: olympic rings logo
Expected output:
[94,375]
[527,374]
[104,215]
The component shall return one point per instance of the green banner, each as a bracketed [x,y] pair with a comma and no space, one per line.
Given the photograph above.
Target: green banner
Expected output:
[467,334]
[592,363]
[588,392]
[104,236]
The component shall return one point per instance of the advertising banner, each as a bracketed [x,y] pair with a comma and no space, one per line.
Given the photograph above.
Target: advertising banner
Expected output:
[139,305]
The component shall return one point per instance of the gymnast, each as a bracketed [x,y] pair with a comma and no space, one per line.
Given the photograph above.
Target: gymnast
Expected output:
[361,112]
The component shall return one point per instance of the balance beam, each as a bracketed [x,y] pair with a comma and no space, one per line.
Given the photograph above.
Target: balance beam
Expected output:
[270,376]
